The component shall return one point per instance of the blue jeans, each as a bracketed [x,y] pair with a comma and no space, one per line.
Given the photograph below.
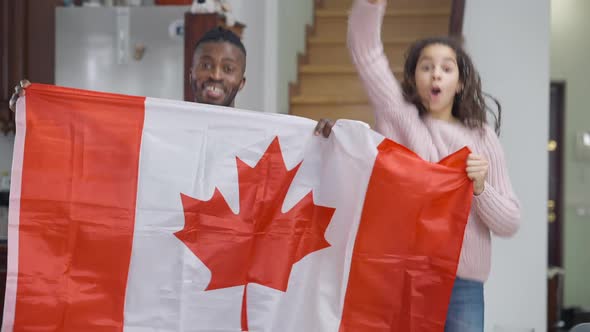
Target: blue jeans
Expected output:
[465,313]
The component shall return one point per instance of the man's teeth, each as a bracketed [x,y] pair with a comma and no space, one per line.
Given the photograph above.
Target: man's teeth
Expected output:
[213,89]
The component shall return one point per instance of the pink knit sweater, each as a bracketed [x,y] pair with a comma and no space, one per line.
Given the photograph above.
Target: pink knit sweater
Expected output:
[496,209]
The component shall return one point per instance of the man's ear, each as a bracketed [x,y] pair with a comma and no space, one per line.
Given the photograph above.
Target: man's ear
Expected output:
[242,84]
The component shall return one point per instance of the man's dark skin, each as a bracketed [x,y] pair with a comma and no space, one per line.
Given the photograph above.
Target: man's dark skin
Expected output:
[217,74]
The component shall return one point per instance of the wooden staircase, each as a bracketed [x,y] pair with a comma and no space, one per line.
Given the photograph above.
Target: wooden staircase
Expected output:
[328,85]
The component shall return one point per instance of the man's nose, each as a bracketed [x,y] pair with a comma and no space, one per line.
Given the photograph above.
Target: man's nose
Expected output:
[215,73]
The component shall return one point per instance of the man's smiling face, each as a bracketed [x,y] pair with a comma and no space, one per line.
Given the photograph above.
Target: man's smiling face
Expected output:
[217,73]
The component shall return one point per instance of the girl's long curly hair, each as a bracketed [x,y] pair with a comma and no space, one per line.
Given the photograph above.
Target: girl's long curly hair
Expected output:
[469,105]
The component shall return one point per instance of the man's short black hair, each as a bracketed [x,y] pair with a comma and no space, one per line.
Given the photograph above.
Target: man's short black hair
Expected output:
[220,34]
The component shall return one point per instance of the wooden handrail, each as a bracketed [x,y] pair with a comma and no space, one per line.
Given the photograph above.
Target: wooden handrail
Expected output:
[456,21]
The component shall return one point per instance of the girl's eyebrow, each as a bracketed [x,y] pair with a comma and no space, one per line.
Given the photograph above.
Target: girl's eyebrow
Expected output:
[426,57]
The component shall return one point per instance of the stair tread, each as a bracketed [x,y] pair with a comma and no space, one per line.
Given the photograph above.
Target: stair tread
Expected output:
[323,41]
[333,69]
[328,13]
[329,85]
[327,100]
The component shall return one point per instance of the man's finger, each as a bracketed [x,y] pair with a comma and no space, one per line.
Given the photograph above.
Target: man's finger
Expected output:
[327,128]
[319,127]
[324,127]
[24,83]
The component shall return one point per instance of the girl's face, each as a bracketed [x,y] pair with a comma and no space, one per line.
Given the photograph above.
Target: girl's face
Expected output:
[437,80]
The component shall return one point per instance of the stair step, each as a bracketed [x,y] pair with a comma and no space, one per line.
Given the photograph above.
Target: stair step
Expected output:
[333,69]
[333,81]
[326,41]
[322,52]
[329,86]
[401,4]
[329,100]
[360,112]
[343,13]
[332,25]
[327,69]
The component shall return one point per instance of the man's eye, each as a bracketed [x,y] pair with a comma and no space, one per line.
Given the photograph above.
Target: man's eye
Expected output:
[228,69]
[206,65]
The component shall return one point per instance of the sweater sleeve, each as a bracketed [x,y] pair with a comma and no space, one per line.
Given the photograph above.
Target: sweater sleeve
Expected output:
[497,206]
[393,115]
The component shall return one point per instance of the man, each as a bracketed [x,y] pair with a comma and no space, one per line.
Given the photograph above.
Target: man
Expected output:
[219,64]
[217,73]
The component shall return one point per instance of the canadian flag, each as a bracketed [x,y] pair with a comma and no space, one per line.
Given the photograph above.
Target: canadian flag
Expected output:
[139,214]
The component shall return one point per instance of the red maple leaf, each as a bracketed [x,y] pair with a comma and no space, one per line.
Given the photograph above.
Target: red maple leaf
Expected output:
[261,243]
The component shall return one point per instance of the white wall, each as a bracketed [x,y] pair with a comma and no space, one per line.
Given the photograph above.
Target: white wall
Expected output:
[274,35]
[252,14]
[509,43]
[293,16]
